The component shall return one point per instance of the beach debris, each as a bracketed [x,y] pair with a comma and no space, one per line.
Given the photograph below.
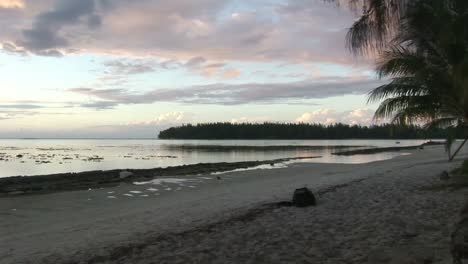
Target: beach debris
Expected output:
[444,176]
[303,197]
[218,178]
[19,156]
[125,174]
[94,158]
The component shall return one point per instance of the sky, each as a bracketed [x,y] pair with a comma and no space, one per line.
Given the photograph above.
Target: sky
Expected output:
[127,69]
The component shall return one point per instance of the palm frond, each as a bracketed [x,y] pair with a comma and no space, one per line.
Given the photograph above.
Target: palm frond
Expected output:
[397,87]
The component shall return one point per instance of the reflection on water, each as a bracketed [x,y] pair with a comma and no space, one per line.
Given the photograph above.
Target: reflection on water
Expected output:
[38,157]
[356,159]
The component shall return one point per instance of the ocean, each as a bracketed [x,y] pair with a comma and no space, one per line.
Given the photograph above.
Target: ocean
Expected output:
[27,157]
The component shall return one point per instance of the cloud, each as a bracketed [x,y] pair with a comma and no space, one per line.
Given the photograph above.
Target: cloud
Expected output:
[251,120]
[195,62]
[362,116]
[46,38]
[208,69]
[6,114]
[13,49]
[121,69]
[20,106]
[99,105]
[117,67]
[165,119]
[235,94]
[7,4]
[139,129]
[231,74]
[211,30]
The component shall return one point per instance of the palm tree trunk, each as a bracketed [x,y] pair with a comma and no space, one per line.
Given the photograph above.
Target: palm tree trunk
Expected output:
[458,149]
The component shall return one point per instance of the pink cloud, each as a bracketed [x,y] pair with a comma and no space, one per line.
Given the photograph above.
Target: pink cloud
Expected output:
[231,74]
[297,31]
[363,116]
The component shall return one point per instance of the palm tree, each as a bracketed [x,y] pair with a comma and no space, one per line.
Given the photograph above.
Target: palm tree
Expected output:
[427,61]
[377,24]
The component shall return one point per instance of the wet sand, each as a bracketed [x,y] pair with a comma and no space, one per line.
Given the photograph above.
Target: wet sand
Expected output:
[363,208]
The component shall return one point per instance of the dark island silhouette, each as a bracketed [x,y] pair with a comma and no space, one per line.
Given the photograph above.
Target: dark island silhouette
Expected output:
[305,131]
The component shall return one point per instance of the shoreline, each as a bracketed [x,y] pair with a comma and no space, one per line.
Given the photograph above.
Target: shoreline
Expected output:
[72,181]
[369,151]
[362,210]
[43,184]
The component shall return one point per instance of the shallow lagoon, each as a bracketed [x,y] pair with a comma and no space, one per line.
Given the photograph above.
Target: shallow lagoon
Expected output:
[47,156]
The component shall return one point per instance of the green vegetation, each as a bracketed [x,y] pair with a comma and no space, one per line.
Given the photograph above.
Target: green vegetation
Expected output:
[427,62]
[303,131]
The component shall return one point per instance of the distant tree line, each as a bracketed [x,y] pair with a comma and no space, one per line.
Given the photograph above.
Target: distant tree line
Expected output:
[305,131]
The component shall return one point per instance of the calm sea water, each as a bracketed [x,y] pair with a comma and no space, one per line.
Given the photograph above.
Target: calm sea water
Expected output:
[46,156]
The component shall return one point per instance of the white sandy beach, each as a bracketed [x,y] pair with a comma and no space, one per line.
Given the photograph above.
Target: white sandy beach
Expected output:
[378,216]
